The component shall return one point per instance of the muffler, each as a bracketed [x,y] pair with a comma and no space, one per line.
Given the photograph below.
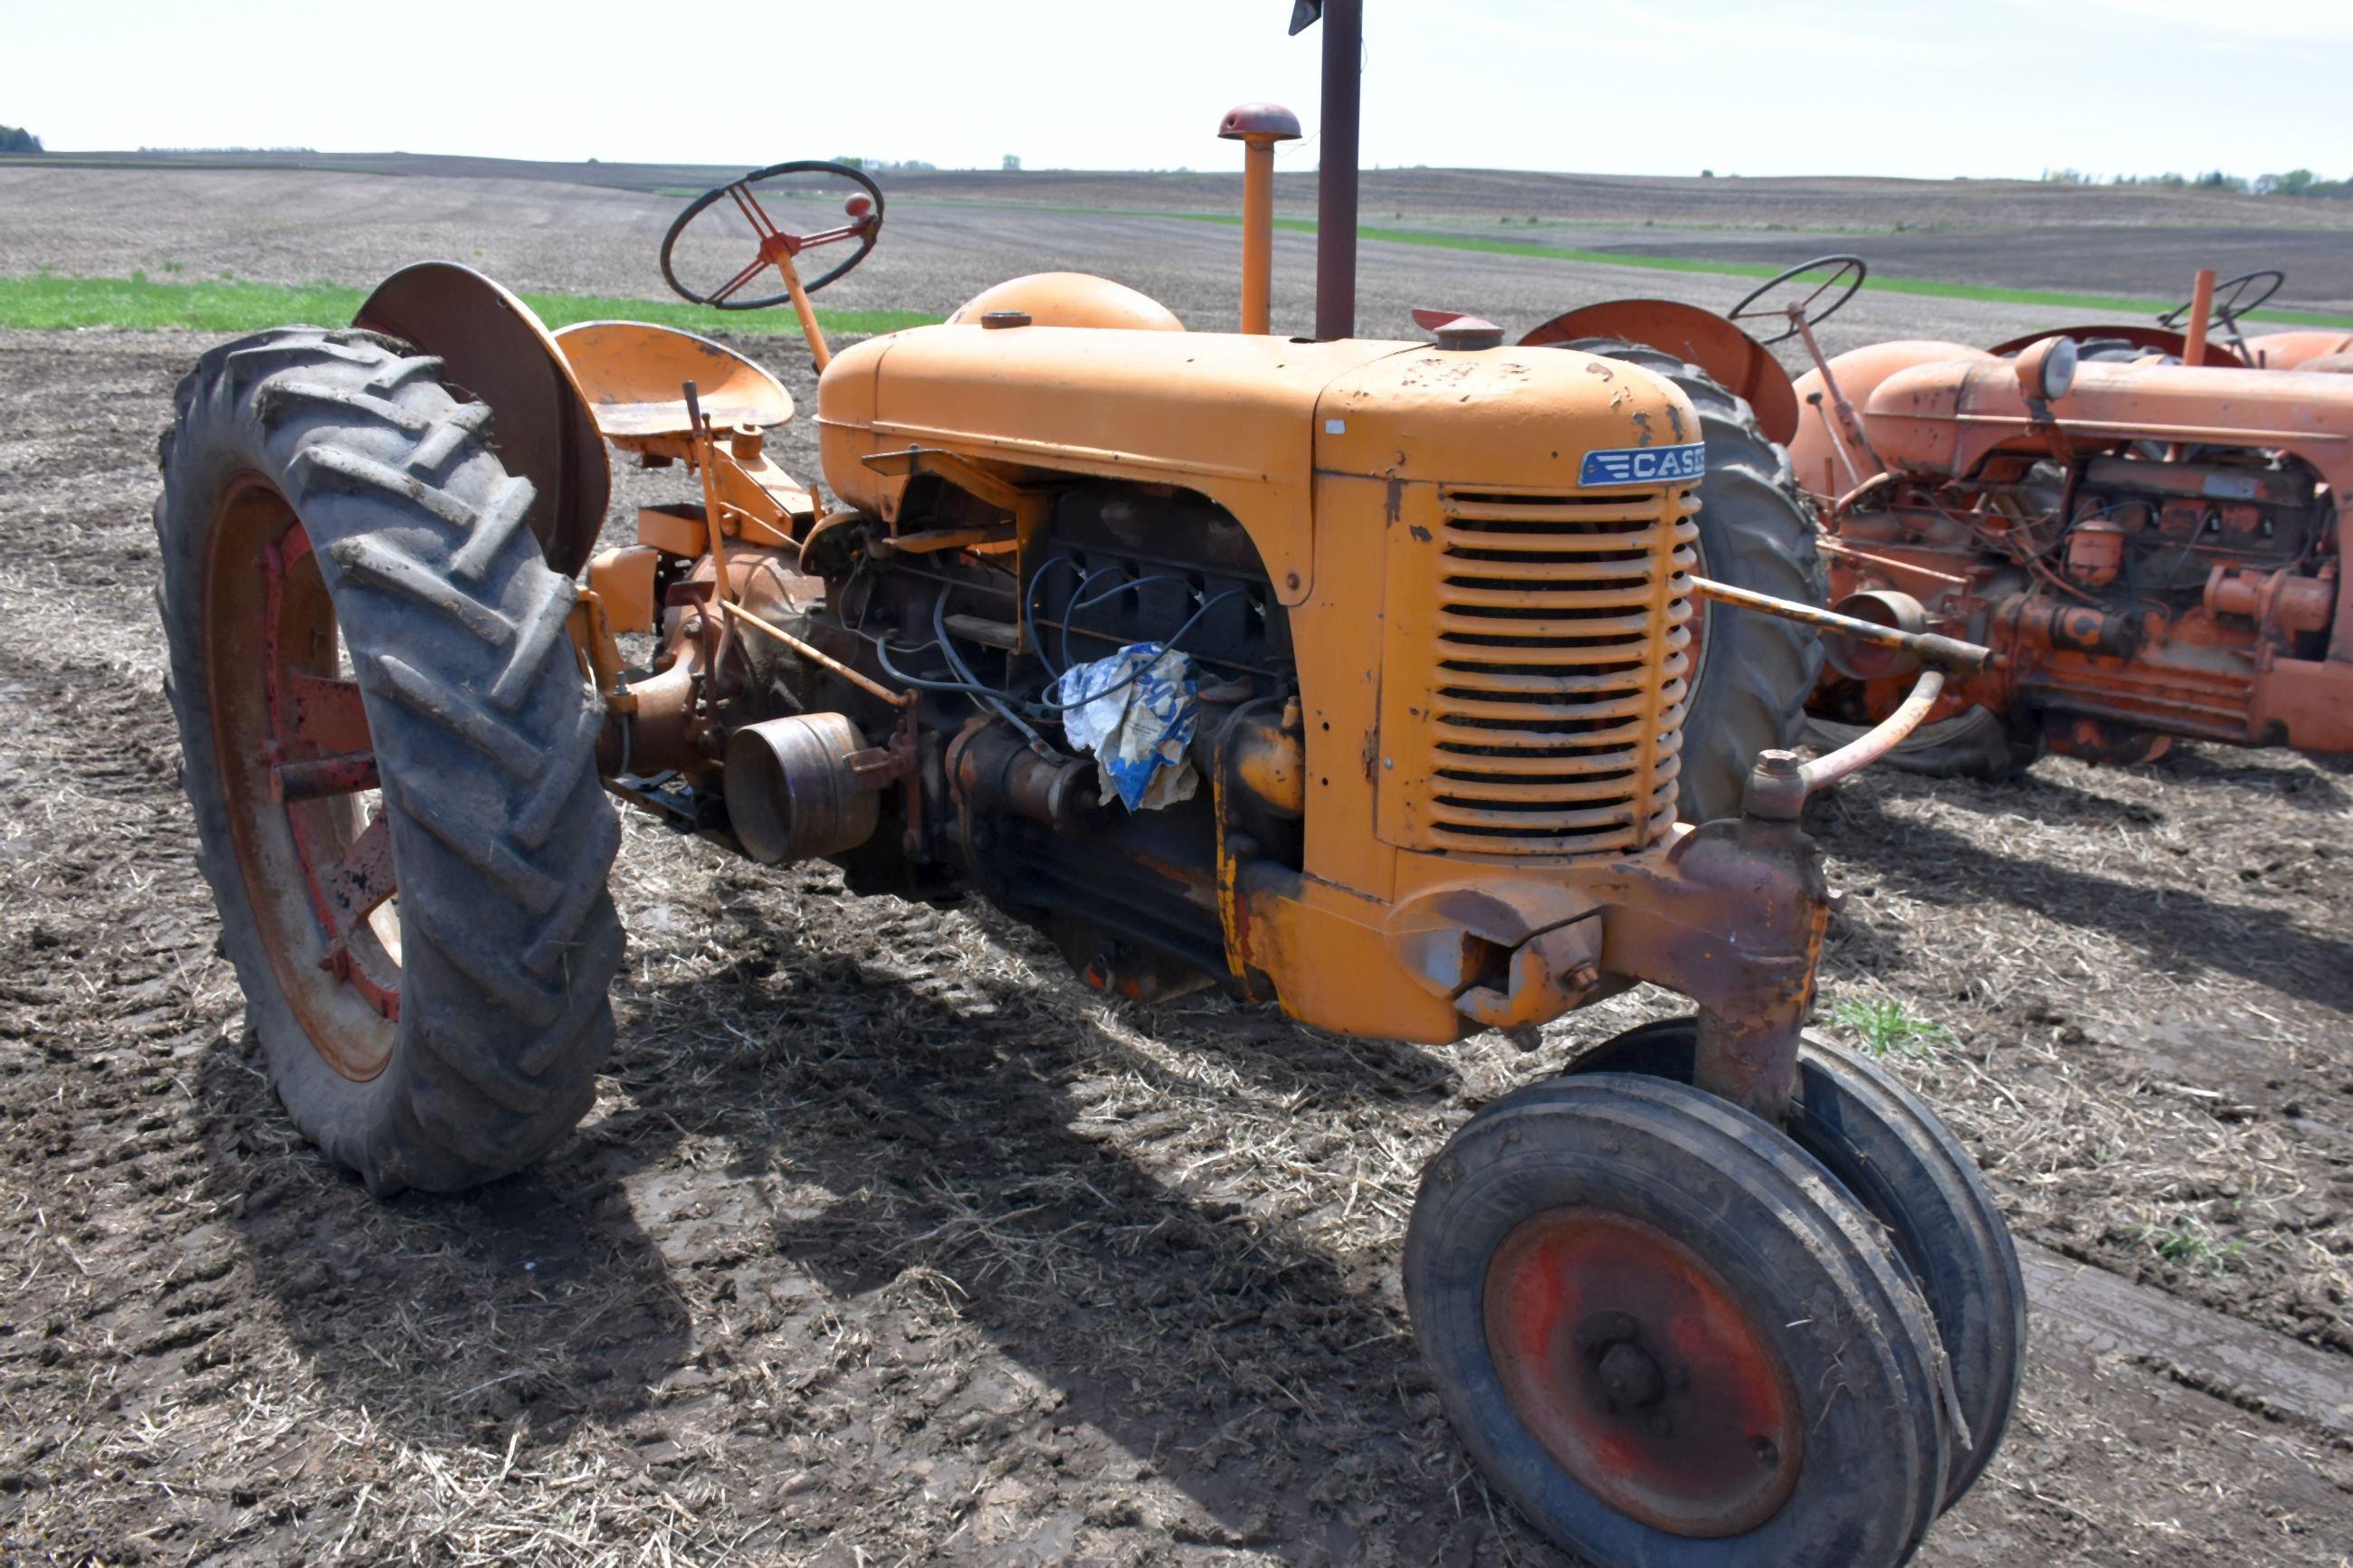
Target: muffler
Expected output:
[803,786]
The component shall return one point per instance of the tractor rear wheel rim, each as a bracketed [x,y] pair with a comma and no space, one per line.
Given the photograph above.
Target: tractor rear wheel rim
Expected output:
[1633,1365]
[297,765]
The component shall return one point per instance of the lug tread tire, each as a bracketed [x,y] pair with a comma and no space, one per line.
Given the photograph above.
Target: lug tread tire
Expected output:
[484,736]
[1757,530]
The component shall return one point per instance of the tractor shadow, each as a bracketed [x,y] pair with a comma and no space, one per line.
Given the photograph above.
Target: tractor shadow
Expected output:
[533,1301]
[925,1139]
[997,1146]
[2185,930]
[2307,783]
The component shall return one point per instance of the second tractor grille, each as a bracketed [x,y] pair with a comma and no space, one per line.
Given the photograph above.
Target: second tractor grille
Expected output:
[1556,716]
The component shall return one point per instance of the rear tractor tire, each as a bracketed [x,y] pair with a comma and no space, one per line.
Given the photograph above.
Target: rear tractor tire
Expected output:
[1671,1339]
[390,752]
[1751,673]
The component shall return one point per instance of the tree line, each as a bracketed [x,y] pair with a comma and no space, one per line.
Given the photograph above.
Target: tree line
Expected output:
[14,139]
[2294,183]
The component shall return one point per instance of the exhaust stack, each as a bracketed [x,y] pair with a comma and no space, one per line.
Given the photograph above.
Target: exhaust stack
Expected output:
[1257,126]
[1336,185]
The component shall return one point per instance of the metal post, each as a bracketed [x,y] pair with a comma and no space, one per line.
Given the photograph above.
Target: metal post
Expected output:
[1335,186]
[1258,235]
[2202,317]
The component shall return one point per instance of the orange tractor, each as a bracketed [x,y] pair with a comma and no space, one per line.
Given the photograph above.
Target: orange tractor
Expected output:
[1357,676]
[2143,525]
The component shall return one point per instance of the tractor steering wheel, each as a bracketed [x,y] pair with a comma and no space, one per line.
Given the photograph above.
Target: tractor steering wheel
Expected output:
[773,245]
[2231,299]
[1848,270]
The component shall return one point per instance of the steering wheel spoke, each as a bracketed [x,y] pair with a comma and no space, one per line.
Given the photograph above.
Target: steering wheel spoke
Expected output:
[1846,275]
[720,295]
[762,224]
[778,243]
[2234,298]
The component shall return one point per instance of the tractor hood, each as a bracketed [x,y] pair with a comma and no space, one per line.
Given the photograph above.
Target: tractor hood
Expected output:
[1948,417]
[1247,421]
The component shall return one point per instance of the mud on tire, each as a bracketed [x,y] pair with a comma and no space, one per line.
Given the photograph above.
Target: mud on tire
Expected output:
[1755,532]
[483,736]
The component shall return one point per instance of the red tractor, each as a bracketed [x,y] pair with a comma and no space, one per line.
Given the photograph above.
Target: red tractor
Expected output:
[2143,525]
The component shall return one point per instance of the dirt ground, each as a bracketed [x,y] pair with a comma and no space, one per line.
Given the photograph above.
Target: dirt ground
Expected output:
[887,1243]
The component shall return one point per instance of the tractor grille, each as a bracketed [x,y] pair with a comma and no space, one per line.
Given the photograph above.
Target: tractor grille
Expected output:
[1556,710]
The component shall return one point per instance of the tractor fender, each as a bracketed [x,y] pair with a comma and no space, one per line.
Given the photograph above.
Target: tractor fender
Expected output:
[1734,360]
[497,349]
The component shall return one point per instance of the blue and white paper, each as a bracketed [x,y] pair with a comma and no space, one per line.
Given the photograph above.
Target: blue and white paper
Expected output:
[1135,710]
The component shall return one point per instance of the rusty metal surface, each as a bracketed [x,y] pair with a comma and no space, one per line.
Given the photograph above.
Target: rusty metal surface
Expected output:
[1737,362]
[497,348]
[2240,639]
[795,789]
[1881,739]
[1945,653]
[294,753]
[1642,1374]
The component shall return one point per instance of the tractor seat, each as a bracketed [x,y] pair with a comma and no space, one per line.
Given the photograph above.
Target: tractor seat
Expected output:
[634,377]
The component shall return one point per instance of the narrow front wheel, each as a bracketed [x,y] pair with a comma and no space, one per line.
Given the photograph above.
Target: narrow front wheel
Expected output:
[1670,1339]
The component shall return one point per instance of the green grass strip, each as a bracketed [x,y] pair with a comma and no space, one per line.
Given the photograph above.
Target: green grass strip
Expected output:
[138,303]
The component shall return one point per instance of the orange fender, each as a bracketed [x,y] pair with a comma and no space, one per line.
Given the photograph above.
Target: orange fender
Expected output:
[1740,364]
[2297,350]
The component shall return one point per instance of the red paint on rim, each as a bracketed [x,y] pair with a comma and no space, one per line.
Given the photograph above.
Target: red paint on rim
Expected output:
[1633,1365]
[290,738]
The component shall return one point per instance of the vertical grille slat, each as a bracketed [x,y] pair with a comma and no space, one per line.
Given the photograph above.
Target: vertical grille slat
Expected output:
[1556,716]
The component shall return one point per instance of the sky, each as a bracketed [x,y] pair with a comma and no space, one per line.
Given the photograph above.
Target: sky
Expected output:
[1925,88]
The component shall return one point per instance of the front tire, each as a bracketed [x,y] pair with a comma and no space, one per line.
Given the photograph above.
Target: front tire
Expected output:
[1895,1155]
[353,601]
[1670,1339]
[1753,673]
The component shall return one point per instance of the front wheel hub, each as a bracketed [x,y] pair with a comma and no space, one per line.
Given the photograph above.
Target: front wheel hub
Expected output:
[1634,1366]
